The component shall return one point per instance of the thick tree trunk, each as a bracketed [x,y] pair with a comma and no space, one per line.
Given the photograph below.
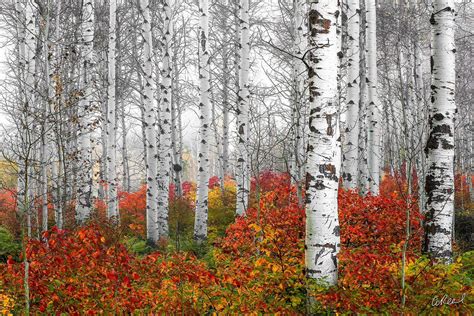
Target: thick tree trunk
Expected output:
[84,152]
[150,123]
[322,169]
[351,139]
[439,149]
[200,222]
[242,167]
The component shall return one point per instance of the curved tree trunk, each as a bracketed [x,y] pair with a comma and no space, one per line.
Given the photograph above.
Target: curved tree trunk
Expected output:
[439,149]
[322,175]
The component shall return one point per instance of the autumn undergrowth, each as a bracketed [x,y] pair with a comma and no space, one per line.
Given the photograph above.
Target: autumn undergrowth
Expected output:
[251,264]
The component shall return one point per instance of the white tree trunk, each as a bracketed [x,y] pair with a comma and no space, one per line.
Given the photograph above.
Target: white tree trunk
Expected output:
[30,108]
[54,100]
[200,222]
[150,123]
[351,139]
[322,168]
[363,174]
[242,167]
[224,154]
[112,180]
[374,152]
[164,171]
[440,145]
[298,114]
[20,15]
[47,135]
[176,128]
[26,26]
[84,153]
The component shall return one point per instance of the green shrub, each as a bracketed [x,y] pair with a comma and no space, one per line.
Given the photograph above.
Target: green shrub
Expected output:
[8,246]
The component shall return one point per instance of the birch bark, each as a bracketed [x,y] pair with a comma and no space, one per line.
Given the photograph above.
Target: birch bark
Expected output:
[150,124]
[201,217]
[323,153]
[363,178]
[112,180]
[351,140]
[84,173]
[242,167]
[299,47]
[164,171]
[374,153]
[31,34]
[439,149]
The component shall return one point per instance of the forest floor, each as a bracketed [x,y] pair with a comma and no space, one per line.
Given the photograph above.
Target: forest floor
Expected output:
[250,265]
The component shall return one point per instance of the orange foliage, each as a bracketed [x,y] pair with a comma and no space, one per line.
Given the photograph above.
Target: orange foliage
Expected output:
[257,267]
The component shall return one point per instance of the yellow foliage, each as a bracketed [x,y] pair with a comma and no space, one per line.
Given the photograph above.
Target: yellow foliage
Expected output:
[7,305]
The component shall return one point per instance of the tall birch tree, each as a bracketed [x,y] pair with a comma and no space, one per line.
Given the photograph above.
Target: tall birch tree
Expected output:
[164,169]
[84,151]
[298,114]
[372,100]
[112,180]
[242,168]
[323,152]
[150,124]
[439,149]
[201,217]
[351,139]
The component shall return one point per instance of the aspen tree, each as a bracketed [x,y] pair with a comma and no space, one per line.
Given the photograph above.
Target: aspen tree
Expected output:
[298,113]
[112,180]
[84,152]
[351,140]
[150,123]
[242,168]
[323,153]
[164,168]
[439,148]
[374,152]
[201,217]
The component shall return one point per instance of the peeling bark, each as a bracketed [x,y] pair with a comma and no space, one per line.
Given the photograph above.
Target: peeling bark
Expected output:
[150,124]
[86,126]
[351,139]
[323,154]
[164,168]
[242,167]
[201,217]
[439,182]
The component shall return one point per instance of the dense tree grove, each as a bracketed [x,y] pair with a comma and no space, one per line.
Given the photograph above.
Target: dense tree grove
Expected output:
[236,157]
